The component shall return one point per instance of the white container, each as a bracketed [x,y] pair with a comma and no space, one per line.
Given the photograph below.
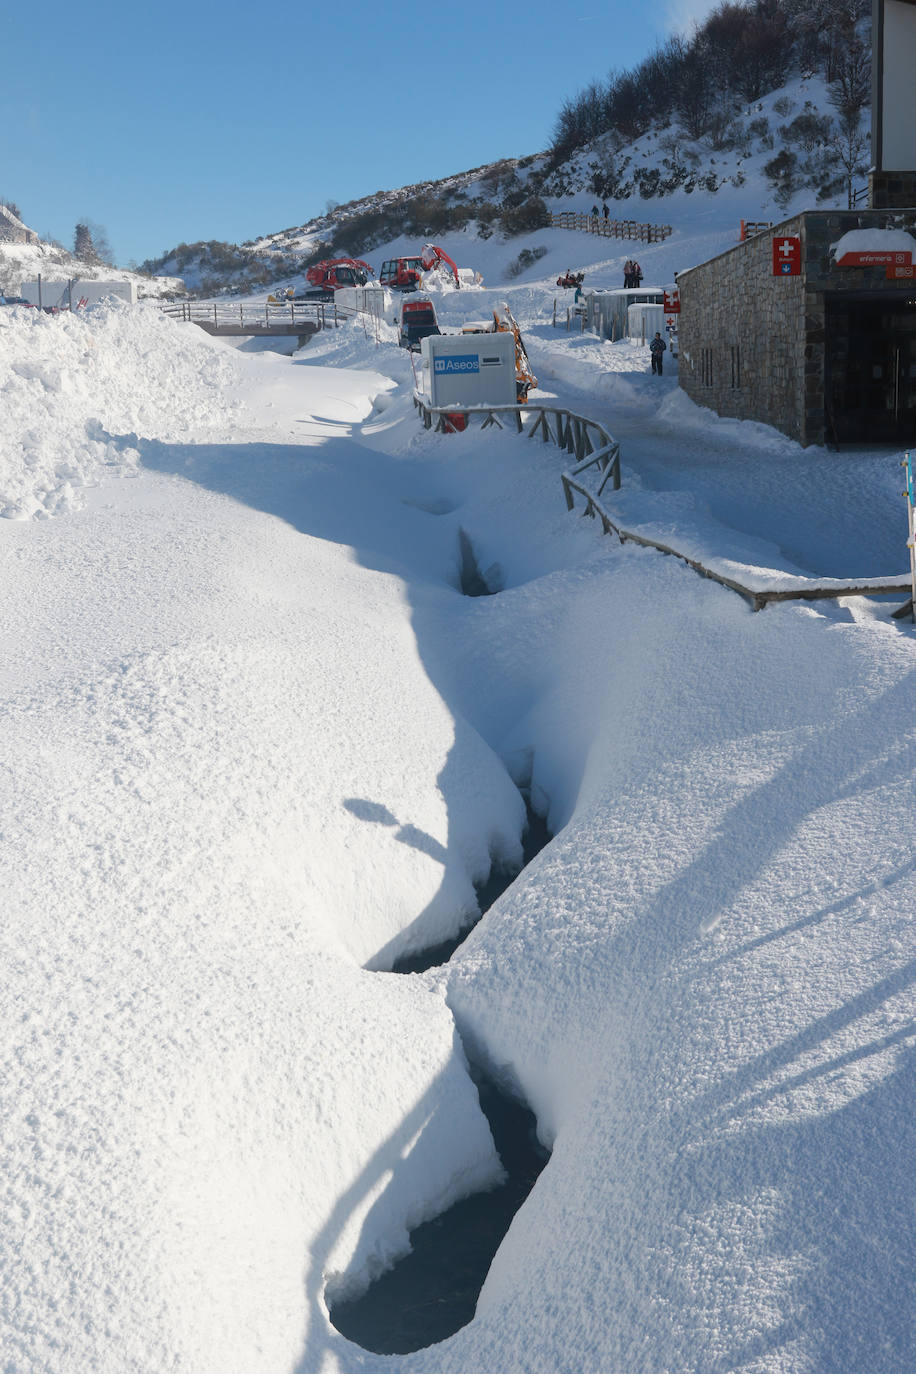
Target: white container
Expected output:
[469,369]
[644,321]
[370,299]
[59,293]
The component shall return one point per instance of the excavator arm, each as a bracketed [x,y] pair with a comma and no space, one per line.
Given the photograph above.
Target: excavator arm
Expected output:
[432,257]
[525,379]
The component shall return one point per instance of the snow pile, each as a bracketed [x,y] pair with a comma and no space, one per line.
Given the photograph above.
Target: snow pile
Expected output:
[79,388]
[211,1110]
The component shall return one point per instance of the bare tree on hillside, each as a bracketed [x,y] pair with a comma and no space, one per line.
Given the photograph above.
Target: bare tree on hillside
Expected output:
[849,144]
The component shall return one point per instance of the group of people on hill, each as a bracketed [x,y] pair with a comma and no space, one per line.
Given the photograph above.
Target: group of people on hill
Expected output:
[632,273]
[632,277]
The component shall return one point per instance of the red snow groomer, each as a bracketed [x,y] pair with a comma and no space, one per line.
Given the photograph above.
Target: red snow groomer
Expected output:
[406,274]
[571,279]
[330,275]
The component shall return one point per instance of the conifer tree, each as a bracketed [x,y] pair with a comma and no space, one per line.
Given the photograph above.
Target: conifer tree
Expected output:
[83,245]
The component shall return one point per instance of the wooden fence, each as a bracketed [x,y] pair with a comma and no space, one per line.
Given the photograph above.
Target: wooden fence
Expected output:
[758,597]
[585,439]
[610,228]
[592,447]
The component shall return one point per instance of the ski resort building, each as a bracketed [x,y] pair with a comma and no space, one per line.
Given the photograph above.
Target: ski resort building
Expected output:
[809,326]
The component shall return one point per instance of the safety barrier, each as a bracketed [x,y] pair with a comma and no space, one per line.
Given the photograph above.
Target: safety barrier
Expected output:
[758,597]
[611,228]
[588,441]
[231,317]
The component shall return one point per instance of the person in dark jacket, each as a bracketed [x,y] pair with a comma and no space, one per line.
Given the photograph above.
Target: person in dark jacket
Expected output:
[657,347]
[606,212]
[637,274]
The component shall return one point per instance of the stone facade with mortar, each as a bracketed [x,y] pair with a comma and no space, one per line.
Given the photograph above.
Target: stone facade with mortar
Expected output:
[753,345]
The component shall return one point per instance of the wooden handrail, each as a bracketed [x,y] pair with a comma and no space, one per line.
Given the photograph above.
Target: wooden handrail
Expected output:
[587,440]
[758,597]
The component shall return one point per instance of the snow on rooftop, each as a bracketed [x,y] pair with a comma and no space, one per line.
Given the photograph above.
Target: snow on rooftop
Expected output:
[874,241]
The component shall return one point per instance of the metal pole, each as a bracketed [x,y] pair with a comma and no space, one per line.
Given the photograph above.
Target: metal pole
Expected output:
[911,532]
[40,306]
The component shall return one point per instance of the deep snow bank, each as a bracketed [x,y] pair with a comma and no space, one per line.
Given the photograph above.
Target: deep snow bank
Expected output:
[71,381]
[227,782]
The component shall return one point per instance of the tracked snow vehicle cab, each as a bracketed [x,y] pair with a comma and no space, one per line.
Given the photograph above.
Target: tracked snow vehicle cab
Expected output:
[416,321]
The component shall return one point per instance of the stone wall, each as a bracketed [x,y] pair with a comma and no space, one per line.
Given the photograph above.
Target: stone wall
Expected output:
[891,190]
[734,310]
[13,231]
[741,335]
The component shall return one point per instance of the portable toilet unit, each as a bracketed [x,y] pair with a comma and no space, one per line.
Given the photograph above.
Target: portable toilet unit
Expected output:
[469,369]
[644,320]
[607,312]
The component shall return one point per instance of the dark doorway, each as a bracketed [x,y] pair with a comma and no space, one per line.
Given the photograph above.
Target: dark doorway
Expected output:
[871,369]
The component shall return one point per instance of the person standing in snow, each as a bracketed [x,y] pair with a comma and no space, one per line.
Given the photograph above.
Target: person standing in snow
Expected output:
[657,347]
[605,211]
[627,274]
[637,273]
[595,213]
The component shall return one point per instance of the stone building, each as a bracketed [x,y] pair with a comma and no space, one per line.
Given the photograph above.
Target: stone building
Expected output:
[12,230]
[809,326]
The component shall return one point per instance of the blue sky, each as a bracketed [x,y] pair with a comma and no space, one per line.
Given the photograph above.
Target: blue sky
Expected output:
[194,121]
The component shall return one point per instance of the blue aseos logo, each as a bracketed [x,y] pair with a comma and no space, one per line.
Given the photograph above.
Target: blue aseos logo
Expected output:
[458,363]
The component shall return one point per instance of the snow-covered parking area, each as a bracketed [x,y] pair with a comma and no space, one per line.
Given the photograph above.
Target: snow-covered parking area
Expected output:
[256,744]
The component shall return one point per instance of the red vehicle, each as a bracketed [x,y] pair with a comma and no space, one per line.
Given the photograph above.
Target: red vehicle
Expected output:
[417,319]
[404,274]
[330,275]
[401,274]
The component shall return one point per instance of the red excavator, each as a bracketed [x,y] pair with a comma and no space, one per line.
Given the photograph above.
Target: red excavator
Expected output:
[401,274]
[405,274]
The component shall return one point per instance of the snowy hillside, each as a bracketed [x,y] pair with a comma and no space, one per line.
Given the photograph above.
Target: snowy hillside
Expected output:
[770,164]
[21,262]
[257,745]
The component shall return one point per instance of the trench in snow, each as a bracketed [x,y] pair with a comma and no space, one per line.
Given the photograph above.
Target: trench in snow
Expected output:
[432,1292]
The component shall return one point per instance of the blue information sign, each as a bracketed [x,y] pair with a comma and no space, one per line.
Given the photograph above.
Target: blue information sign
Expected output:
[456,364]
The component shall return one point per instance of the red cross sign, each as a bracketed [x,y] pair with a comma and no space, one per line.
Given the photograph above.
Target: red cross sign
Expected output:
[787,257]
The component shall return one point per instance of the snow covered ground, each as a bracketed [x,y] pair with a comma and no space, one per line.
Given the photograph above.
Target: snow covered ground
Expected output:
[256,744]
